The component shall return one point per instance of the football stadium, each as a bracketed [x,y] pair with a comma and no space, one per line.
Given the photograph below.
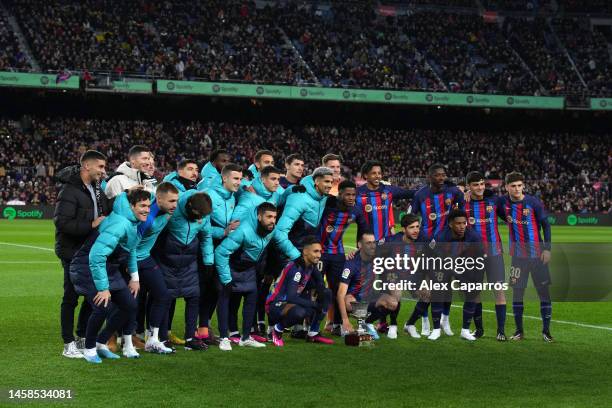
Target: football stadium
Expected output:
[291,203]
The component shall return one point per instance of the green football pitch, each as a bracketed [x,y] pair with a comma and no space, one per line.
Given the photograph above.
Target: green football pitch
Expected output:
[572,372]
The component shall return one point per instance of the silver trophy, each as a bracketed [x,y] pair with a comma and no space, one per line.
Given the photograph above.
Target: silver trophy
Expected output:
[360,337]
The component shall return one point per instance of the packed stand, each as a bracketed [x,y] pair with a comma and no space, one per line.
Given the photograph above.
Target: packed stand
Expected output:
[209,40]
[469,54]
[590,52]
[537,45]
[350,45]
[581,6]
[443,3]
[516,5]
[11,56]
[569,172]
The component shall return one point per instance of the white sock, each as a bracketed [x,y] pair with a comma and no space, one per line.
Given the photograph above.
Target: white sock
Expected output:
[312,333]
[90,352]
[234,334]
[298,327]
[155,334]
[100,346]
[127,341]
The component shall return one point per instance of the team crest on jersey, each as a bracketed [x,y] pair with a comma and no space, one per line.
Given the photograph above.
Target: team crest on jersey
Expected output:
[297,277]
[368,208]
[329,228]
[489,208]
[433,216]
[345,273]
[472,220]
[383,196]
[526,211]
[509,218]
[447,201]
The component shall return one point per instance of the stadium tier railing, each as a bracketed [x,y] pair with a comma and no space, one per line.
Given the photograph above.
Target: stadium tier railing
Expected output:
[69,80]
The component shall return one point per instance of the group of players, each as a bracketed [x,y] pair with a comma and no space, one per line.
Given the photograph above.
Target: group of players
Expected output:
[272,241]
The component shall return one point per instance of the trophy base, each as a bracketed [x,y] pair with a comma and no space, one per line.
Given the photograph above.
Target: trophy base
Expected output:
[358,340]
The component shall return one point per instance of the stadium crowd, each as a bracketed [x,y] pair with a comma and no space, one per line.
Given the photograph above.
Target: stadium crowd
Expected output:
[346,44]
[11,55]
[569,172]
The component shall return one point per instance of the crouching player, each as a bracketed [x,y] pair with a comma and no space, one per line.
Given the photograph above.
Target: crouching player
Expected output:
[456,242]
[357,284]
[95,273]
[176,252]
[290,301]
[411,242]
[236,260]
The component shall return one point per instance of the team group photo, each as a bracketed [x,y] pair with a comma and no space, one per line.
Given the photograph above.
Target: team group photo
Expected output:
[298,203]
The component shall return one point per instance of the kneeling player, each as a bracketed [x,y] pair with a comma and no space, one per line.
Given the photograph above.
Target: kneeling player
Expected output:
[456,242]
[237,258]
[95,273]
[356,285]
[290,301]
[412,241]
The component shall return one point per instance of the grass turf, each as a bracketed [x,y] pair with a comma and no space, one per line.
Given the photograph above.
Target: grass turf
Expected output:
[573,371]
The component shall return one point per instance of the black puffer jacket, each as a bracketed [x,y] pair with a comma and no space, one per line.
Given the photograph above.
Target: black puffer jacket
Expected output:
[74,212]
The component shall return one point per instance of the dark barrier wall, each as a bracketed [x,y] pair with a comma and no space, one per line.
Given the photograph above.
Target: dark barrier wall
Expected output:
[26,212]
[571,219]
[31,212]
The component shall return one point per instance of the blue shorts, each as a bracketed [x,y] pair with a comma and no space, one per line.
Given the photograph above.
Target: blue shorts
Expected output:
[495,269]
[522,267]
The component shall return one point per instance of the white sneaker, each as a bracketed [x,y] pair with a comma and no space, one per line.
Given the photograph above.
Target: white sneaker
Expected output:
[225,344]
[412,331]
[130,352]
[250,342]
[392,333]
[155,346]
[445,325]
[71,351]
[425,327]
[435,334]
[465,334]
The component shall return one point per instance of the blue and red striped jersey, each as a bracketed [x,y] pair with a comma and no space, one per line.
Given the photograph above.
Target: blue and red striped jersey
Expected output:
[376,207]
[482,218]
[434,207]
[444,244]
[295,278]
[525,219]
[360,277]
[334,223]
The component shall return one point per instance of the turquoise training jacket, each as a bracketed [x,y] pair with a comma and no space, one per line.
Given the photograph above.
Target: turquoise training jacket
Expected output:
[186,231]
[119,228]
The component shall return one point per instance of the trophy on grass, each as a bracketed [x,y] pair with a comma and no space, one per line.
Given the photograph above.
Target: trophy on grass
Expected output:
[360,337]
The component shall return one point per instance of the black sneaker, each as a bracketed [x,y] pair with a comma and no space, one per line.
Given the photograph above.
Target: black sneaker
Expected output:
[170,345]
[337,331]
[261,328]
[501,337]
[518,335]
[299,334]
[211,340]
[478,333]
[547,337]
[196,345]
